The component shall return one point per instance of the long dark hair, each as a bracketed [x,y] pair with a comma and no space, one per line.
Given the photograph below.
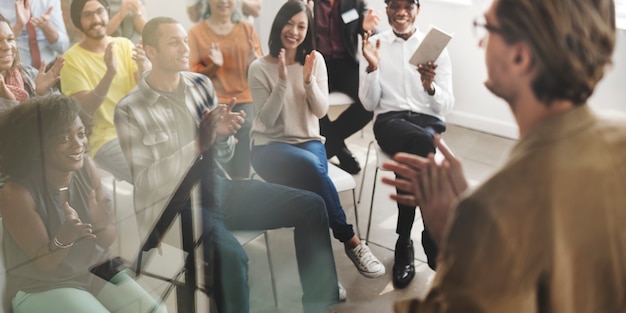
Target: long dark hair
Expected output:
[286,12]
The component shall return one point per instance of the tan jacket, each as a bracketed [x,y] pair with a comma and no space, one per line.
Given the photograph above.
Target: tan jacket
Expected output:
[547,233]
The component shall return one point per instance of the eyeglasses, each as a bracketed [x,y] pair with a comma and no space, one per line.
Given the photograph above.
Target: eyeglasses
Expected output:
[482,28]
[90,14]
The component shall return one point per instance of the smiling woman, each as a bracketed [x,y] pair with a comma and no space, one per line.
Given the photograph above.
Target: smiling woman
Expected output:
[58,219]
[222,46]
[19,82]
[290,91]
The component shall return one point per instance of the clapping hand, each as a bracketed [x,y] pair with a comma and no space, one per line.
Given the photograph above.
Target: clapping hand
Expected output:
[230,122]
[431,186]
[207,130]
[252,55]
[45,80]
[22,11]
[427,72]
[73,228]
[215,54]
[307,70]
[371,53]
[370,20]
[5,92]
[101,211]
[282,67]
[109,60]
[218,122]
[139,56]
[42,21]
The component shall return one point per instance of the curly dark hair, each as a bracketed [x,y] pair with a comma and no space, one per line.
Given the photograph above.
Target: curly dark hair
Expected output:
[29,128]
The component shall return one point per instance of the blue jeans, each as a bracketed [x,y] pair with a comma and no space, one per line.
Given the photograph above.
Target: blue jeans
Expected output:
[303,166]
[255,205]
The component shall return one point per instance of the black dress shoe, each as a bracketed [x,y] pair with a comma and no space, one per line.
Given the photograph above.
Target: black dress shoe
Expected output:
[403,266]
[347,161]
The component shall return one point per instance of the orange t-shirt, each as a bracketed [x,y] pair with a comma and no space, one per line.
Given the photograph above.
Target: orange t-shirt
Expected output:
[231,80]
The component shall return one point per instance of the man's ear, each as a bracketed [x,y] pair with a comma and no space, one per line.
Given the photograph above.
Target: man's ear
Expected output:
[150,51]
[522,57]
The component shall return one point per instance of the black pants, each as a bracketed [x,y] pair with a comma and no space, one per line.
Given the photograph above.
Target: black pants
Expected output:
[410,132]
[343,76]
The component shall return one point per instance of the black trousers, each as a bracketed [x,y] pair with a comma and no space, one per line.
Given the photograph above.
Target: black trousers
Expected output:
[343,76]
[406,131]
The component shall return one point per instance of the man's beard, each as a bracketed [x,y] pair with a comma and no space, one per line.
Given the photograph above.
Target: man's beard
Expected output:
[98,36]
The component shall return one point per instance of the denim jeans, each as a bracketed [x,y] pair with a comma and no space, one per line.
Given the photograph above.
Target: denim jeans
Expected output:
[256,205]
[303,166]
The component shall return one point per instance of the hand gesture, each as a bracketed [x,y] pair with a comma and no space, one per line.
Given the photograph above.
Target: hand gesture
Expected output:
[109,60]
[139,56]
[22,11]
[207,131]
[134,7]
[311,5]
[427,72]
[307,70]
[215,54]
[125,6]
[100,210]
[45,80]
[370,20]
[431,186]
[371,53]
[456,175]
[73,228]
[5,92]
[230,122]
[408,169]
[282,67]
[42,21]
[252,55]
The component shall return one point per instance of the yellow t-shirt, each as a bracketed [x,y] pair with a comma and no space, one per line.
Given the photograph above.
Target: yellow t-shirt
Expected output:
[84,69]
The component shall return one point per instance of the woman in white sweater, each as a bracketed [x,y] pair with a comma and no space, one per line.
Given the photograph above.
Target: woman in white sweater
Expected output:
[290,91]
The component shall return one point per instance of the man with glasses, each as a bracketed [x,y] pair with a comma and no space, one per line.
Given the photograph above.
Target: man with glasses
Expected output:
[545,233]
[409,103]
[98,71]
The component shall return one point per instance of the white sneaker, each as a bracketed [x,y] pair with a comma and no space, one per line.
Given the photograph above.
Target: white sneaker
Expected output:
[367,264]
[343,295]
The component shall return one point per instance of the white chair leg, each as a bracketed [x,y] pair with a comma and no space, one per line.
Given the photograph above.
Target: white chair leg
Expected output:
[367,158]
[369,219]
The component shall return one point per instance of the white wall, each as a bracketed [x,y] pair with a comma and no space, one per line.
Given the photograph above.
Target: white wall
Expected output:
[475,106]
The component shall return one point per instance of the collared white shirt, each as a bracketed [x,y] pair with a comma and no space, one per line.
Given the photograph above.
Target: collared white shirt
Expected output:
[396,85]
